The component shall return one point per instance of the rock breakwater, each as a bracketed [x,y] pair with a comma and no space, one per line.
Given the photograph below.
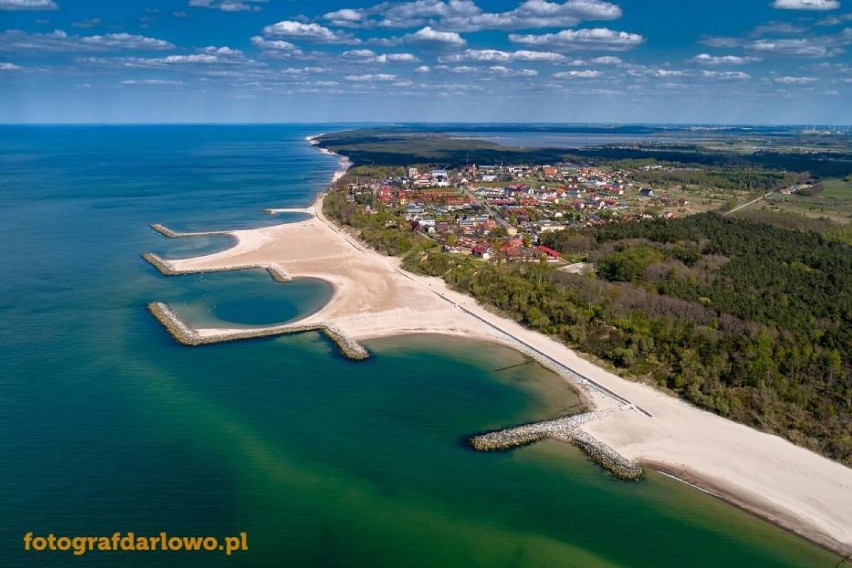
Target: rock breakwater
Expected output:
[185,334]
[166,267]
[564,428]
[166,232]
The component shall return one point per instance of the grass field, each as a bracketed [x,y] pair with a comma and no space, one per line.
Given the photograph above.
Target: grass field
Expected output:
[835,188]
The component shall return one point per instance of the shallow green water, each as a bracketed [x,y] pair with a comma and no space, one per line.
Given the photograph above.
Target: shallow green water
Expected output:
[109,425]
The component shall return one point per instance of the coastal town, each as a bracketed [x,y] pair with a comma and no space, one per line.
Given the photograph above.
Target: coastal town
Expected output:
[501,211]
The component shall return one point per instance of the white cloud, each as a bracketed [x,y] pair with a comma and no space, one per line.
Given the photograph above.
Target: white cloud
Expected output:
[656,73]
[150,82]
[524,55]
[707,59]
[359,54]
[795,80]
[422,69]
[305,70]
[224,51]
[502,70]
[396,57]
[494,70]
[495,55]
[796,47]
[593,38]
[477,55]
[835,20]
[28,5]
[344,17]
[726,75]
[371,77]
[536,14]
[127,41]
[607,60]
[194,58]
[229,5]
[777,28]
[584,74]
[466,16]
[206,56]
[369,56]
[279,45]
[59,41]
[307,32]
[9,67]
[806,4]
[428,35]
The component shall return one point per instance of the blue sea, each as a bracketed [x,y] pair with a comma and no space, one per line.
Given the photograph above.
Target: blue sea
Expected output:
[107,425]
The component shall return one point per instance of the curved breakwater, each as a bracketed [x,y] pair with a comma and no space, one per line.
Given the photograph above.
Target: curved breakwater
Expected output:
[185,334]
[563,428]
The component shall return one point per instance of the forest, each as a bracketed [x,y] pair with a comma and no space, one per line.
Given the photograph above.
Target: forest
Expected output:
[745,319]
[403,146]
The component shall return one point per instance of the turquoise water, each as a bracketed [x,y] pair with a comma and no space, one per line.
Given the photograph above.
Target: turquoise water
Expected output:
[108,425]
[245,298]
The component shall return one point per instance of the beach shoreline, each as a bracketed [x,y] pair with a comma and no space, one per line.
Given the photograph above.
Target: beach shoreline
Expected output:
[788,522]
[373,297]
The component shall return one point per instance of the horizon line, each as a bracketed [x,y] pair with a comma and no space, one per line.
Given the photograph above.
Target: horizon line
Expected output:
[437,122]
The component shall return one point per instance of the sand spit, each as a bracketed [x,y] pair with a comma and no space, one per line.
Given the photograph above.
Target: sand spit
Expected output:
[187,335]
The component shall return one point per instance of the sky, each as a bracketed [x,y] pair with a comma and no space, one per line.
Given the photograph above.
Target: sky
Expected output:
[626,61]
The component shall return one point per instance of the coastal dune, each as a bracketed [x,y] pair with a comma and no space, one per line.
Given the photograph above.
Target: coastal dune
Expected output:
[373,297]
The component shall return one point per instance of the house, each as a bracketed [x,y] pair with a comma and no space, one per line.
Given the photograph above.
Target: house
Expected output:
[549,227]
[413,210]
[549,252]
[482,251]
[385,194]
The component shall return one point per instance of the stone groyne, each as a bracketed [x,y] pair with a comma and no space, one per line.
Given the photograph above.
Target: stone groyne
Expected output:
[165,267]
[564,428]
[186,335]
[166,232]
[182,333]
[306,211]
[606,456]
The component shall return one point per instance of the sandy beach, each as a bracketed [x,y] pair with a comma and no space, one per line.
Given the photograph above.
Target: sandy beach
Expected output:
[791,486]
